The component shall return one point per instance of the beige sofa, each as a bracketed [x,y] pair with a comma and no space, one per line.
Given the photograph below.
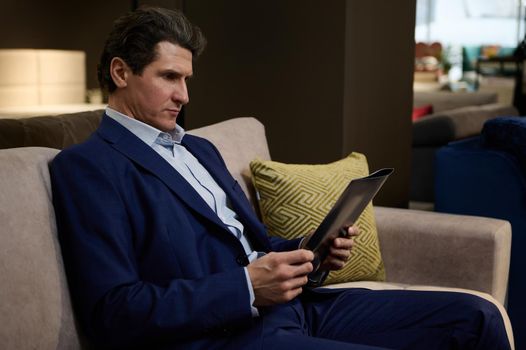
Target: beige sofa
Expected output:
[420,249]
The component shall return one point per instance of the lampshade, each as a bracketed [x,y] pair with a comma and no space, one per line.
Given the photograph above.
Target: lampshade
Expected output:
[30,77]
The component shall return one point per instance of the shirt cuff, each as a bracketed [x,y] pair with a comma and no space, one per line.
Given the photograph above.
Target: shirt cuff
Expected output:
[255,312]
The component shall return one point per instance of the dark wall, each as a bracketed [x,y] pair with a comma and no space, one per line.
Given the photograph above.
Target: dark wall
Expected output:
[325,77]
[280,61]
[379,89]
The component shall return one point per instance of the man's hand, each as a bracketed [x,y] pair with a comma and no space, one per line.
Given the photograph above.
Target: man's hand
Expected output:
[279,277]
[340,250]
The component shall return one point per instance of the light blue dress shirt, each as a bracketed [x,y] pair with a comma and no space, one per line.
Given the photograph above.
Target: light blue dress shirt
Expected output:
[168,146]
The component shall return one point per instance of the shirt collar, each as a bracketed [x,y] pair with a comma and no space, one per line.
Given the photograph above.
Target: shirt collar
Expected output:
[147,133]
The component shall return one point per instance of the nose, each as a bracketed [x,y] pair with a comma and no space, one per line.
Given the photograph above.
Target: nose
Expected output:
[180,94]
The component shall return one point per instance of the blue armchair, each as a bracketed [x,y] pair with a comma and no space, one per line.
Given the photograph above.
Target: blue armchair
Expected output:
[486,176]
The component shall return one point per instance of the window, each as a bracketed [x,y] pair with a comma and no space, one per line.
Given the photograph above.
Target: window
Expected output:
[470,22]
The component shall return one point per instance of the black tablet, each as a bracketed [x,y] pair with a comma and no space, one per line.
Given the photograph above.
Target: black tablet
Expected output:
[343,214]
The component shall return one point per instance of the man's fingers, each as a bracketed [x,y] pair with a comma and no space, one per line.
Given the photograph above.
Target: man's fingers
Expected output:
[279,277]
[292,272]
[353,231]
[296,283]
[294,257]
[287,265]
[341,254]
[343,243]
[291,294]
[334,264]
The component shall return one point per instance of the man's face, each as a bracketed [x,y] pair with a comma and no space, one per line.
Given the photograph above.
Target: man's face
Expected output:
[156,96]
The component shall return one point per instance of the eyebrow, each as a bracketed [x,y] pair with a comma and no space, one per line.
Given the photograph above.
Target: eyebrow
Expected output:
[173,71]
[170,71]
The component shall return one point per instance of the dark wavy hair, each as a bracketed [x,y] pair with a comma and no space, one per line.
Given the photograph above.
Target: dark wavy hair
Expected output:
[135,35]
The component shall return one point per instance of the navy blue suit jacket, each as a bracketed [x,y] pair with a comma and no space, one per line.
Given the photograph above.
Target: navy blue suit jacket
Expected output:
[146,258]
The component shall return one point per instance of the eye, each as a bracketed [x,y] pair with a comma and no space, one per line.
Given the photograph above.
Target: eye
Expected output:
[171,76]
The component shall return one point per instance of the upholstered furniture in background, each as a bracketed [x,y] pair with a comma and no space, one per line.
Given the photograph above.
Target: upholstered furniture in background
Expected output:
[455,116]
[486,176]
[419,249]
[16,112]
[49,131]
[446,101]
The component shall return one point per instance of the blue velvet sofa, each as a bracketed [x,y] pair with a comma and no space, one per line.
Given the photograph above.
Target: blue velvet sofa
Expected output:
[486,176]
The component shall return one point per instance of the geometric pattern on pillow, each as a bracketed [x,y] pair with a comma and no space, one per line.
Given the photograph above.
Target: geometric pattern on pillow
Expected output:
[294,198]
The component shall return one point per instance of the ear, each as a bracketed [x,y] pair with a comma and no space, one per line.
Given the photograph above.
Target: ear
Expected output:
[119,72]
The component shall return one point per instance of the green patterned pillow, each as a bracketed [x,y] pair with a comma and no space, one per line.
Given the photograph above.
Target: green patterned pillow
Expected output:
[294,199]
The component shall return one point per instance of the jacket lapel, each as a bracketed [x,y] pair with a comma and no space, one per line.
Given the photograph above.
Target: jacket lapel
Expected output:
[132,147]
[241,206]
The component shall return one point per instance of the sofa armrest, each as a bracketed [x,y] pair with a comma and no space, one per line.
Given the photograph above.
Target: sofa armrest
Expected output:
[429,248]
[433,130]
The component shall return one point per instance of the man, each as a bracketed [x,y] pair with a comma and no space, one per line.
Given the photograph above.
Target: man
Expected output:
[162,249]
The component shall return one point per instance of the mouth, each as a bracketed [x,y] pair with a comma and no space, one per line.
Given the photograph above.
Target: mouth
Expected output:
[174,111]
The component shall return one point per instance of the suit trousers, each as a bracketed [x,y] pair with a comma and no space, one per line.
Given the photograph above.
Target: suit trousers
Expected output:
[389,319]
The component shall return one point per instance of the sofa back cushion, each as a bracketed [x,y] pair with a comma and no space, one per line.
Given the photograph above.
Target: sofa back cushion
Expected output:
[34,299]
[239,140]
[439,128]
[445,100]
[49,131]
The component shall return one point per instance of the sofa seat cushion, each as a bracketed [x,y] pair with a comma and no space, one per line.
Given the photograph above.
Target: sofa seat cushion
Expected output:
[373,285]
[294,199]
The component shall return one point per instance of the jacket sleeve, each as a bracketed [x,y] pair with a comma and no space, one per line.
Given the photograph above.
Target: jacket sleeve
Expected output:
[115,305]
[281,244]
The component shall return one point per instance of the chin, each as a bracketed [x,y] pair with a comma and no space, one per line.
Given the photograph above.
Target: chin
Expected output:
[167,127]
